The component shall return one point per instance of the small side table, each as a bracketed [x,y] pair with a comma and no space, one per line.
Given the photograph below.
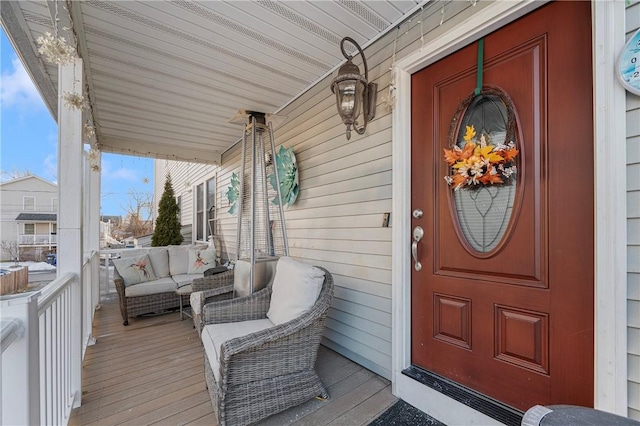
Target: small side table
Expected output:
[182,291]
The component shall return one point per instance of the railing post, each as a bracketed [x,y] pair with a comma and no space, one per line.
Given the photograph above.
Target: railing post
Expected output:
[19,363]
[70,192]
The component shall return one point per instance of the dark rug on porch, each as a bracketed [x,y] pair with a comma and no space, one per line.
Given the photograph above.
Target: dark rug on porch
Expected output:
[403,414]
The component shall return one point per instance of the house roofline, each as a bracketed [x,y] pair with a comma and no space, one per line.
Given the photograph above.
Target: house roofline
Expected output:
[20,179]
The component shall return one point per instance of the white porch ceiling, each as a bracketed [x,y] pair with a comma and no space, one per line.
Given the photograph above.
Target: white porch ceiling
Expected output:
[165,77]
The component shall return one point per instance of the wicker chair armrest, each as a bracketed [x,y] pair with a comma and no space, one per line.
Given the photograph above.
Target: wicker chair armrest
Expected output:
[279,335]
[207,296]
[247,308]
[270,353]
[213,281]
[203,297]
[212,293]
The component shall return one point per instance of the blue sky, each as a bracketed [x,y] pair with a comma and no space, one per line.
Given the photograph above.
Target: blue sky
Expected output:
[29,140]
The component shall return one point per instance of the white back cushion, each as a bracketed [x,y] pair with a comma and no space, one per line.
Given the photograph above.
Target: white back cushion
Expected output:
[159,261]
[134,270]
[178,259]
[296,288]
[200,260]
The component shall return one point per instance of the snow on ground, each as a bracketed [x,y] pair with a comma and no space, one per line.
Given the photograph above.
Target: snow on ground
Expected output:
[33,266]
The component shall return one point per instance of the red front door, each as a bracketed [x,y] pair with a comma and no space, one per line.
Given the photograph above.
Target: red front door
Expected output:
[503,303]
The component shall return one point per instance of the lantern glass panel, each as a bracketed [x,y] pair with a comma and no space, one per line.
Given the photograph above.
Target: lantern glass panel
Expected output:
[349,99]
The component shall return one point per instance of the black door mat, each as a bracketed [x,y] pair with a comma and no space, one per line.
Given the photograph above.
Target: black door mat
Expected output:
[403,414]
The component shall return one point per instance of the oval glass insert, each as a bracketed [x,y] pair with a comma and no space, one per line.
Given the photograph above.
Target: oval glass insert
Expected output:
[484,211]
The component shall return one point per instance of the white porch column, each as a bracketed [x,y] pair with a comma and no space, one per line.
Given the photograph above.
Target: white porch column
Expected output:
[94,207]
[94,229]
[70,190]
[86,182]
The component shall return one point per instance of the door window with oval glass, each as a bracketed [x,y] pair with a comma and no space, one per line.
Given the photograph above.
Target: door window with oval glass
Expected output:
[484,175]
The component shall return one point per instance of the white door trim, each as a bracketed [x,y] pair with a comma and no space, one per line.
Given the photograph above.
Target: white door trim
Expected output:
[610,233]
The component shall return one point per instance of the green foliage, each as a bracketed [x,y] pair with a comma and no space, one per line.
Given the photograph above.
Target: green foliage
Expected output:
[167,229]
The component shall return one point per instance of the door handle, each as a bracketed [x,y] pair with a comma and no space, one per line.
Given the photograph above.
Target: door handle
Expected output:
[418,233]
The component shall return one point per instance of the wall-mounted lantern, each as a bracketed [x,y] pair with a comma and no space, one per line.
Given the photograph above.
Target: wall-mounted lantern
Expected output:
[354,91]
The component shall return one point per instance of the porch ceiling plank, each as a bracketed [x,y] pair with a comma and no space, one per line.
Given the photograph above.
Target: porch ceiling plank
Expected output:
[78,20]
[227,74]
[165,26]
[15,24]
[149,149]
[256,32]
[187,152]
[181,50]
[285,36]
[147,75]
[115,92]
[386,9]
[168,105]
[335,19]
[164,78]
[293,28]
[158,128]
[200,119]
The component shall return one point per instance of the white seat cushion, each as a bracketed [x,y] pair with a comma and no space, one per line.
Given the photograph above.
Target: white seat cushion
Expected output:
[213,335]
[162,285]
[185,279]
[296,288]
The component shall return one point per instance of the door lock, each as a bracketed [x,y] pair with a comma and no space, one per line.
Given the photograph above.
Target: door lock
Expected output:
[417,214]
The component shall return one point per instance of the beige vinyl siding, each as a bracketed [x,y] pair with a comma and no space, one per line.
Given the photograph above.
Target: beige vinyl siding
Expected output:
[345,189]
[632,18]
[12,194]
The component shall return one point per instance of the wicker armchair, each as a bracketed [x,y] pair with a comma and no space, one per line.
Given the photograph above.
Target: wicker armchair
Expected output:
[267,371]
[209,289]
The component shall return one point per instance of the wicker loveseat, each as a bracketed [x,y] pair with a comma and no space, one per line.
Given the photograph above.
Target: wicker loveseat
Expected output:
[253,372]
[162,270]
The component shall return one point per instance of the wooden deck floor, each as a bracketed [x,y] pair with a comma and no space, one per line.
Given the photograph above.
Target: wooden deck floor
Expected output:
[151,372]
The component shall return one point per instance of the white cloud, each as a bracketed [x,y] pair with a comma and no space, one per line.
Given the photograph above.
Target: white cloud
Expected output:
[123,173]
[17,89]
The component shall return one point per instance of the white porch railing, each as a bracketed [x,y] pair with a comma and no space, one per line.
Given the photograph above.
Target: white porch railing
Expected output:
[107,255]
[37,239]
[91,296]
[41,364]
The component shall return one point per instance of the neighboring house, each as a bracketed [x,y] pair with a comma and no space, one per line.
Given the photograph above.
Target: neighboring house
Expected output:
[194,186]
[28,215]
[107,226]
[347,187]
